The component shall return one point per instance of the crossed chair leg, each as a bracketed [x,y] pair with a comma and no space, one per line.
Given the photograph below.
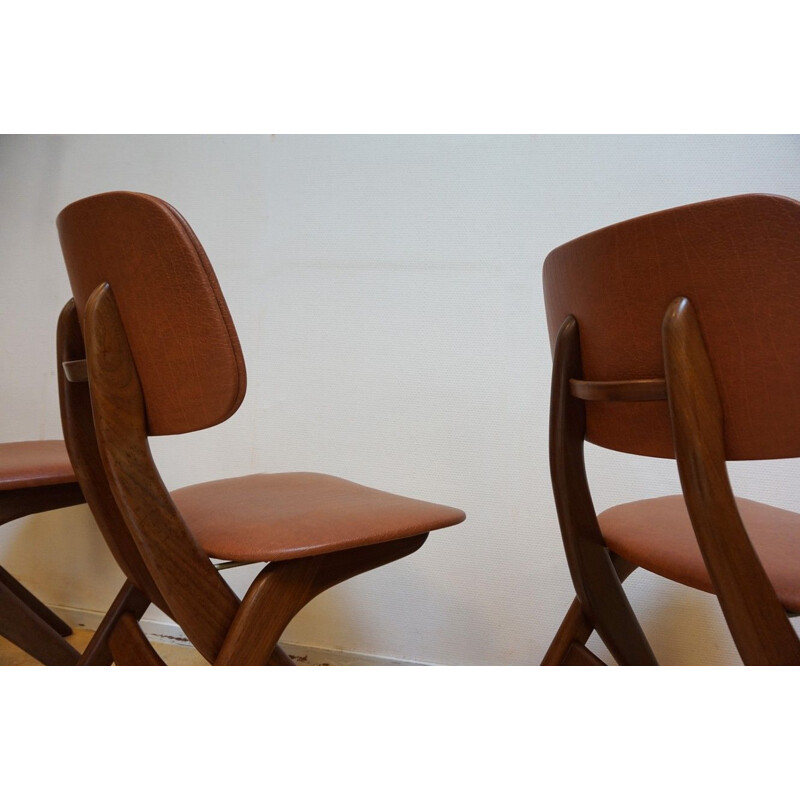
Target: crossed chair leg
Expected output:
[32,626]
[277,594]
[568,648]
[24,619]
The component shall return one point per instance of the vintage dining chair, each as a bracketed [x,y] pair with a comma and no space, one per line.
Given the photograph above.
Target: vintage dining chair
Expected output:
[35,476]
[148,349]
[676,335]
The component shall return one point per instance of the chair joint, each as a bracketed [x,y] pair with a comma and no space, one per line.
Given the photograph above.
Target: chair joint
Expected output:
[76,371]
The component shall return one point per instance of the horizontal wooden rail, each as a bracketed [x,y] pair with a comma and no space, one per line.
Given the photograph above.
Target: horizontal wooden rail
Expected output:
[638,391]
[75,371]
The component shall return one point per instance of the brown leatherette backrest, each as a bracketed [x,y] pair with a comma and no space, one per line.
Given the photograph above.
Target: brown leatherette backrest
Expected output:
[181,335]
[737,259]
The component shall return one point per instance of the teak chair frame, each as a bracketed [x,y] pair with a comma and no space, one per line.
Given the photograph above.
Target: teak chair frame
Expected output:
[757,621]
[24,619]
[104,421]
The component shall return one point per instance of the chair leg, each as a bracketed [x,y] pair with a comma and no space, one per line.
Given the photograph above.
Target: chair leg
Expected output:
[26,629]
[591,565]
[282,588]
[575,627]
[34,603]
[129,600]
[129,645]
[568,647]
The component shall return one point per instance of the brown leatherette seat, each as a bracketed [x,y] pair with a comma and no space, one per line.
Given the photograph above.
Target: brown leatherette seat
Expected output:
[657,534]
[35,476]
[162,357]
[291,515]
[37,463]
[675,335]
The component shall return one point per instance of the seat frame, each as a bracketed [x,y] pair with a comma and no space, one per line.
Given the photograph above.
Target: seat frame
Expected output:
[758,623]
[105,429]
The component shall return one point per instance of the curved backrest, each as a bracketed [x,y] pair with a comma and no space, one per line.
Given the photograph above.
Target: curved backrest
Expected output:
[181,335]
[737,259]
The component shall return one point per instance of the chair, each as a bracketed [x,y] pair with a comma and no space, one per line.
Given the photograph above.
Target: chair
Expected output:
[34,476]
[675,335]
[148,348]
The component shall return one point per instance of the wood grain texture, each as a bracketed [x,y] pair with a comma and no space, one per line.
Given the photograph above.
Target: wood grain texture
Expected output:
[198,598]
[77,423]
[596,581]
[21,624]
[105,427]
[731,393]
[284,587]
[576,628]
[645,390]
[130,601]
[129,645]
[142,382]
[35,605]
[758,623]
[579,655]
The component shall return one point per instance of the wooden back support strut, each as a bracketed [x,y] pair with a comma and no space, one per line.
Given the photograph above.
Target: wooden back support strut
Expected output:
[596,580]
[758,623]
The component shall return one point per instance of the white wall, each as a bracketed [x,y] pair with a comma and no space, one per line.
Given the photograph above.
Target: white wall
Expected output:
[387,294]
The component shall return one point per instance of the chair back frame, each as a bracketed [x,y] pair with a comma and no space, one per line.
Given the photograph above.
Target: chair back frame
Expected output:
[594,575]
[759,625]
[105,430]
[77,424]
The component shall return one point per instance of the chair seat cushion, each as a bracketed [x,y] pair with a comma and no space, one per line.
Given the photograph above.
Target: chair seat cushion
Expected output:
[27,464]
[291,515]
[656,534]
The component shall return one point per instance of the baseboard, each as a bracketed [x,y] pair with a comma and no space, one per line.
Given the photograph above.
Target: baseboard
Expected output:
[84,618]
[170,633]
[320,657]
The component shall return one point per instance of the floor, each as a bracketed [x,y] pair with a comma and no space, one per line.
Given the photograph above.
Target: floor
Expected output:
[11,655]
[184,655]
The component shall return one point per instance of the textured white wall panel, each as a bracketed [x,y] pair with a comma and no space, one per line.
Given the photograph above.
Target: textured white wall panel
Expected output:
[387,292]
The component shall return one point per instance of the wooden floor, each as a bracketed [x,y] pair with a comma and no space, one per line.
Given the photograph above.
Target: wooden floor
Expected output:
[173,654]
[184,655]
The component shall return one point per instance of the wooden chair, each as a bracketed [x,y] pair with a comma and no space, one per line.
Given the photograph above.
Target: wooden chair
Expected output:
[675,335]
[148,348]
[34,476]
